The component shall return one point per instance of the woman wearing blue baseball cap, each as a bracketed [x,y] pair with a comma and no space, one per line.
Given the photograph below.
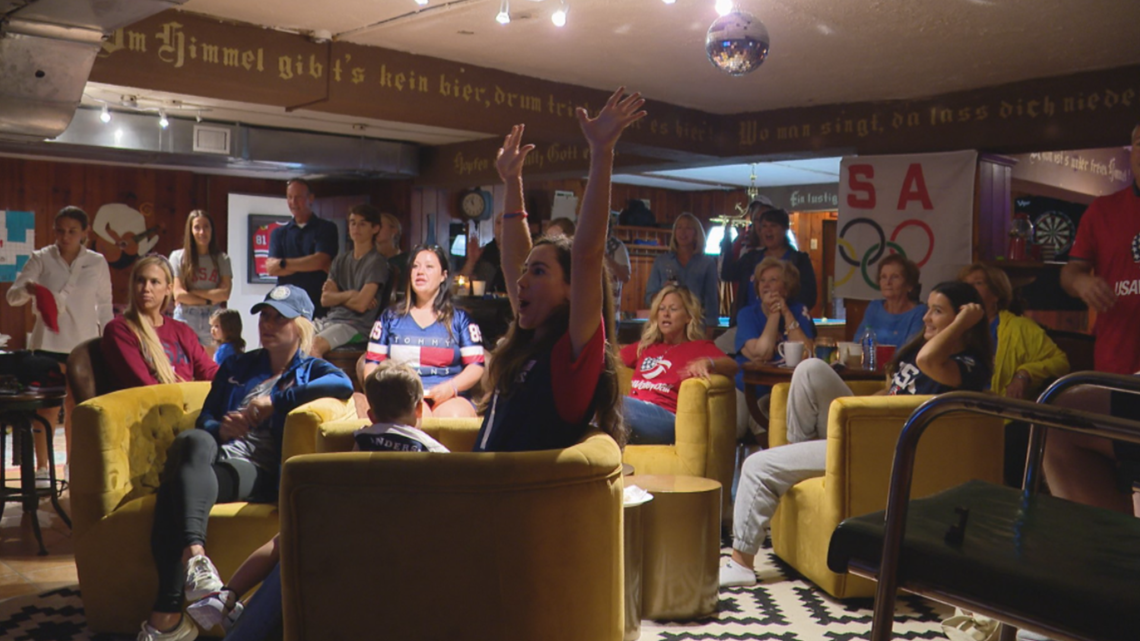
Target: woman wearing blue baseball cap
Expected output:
[235,452]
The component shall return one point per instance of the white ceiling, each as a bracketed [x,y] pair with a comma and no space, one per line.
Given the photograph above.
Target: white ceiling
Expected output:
[816,171]
[823,51]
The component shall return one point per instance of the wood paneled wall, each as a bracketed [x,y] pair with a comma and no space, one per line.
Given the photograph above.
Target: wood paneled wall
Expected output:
[164,197]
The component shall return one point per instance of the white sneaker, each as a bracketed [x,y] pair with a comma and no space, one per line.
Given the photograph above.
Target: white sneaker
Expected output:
[1026,635]
[735,575]
[218,607]
[43,479]
[201,578]
[184,631]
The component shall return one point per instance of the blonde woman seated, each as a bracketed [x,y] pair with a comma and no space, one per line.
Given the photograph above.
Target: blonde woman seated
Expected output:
[672,349]
[144,347]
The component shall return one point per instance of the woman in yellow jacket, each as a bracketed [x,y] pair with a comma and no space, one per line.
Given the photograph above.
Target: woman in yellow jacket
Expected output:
[1024,356]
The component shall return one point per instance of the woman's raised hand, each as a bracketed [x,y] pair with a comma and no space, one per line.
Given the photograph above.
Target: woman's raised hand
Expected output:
[969,314]
[603,131]
[512,155]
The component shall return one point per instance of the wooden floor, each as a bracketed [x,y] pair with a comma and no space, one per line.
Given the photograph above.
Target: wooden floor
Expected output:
[22,570]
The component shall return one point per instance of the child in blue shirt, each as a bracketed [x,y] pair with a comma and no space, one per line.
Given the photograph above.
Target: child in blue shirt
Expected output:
[225,329]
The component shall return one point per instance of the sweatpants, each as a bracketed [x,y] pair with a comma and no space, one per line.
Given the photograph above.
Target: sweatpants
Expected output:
[767,475]
[193,480]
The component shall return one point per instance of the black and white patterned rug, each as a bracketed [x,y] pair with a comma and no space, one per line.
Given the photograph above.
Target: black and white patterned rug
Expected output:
[782,607]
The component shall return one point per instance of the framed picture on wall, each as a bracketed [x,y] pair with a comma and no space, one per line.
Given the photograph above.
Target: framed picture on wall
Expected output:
[257,249]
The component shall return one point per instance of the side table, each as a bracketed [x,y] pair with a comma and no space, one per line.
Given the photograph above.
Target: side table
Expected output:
[681,546]
[20,413]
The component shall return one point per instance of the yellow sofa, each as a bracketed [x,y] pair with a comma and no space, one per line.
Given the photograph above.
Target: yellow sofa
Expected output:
[118,450]
[706,435]
[504,546]
[861,435]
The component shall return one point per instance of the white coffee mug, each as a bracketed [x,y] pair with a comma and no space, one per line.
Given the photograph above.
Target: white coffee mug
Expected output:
[792,352]
[851,354]
[478,287]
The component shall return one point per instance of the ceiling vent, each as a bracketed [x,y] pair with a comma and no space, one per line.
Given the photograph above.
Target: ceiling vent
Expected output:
[212,140]
[47,48]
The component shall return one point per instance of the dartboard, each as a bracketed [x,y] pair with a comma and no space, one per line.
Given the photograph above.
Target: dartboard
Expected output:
[1054,231]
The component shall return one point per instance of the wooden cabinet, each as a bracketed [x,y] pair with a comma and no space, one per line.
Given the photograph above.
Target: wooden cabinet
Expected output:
[644,244]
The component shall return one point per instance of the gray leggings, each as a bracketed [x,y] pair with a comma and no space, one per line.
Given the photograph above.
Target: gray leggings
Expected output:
[193,480]
[768,475]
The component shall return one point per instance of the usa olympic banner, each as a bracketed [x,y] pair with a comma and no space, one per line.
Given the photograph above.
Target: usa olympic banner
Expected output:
[921,206]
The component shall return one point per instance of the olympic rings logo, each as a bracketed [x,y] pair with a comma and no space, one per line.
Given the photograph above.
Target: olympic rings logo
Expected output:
[847,251]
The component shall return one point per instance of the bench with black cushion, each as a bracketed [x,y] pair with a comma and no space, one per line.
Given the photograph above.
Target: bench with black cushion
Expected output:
[1067,566]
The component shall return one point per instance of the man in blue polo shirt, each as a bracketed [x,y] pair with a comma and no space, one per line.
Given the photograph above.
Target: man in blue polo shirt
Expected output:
[301,252]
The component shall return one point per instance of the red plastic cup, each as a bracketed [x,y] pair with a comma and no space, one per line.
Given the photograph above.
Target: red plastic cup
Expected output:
[884,354]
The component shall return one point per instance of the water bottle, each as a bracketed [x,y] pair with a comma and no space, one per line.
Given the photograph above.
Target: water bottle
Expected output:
[867,343]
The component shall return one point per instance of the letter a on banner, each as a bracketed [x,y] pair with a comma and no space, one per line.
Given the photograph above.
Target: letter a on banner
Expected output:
[921,206]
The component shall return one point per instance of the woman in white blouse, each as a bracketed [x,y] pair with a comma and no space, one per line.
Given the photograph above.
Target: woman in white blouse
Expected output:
[80,282]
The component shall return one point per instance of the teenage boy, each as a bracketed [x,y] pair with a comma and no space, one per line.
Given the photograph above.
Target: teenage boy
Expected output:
[356,281]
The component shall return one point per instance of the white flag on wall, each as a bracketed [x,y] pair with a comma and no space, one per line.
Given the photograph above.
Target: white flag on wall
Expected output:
[918,205]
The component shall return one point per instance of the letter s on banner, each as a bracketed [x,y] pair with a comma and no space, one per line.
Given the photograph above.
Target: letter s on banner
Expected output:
[855,177]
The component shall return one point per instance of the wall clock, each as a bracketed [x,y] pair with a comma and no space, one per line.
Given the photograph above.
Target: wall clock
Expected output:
[475,204]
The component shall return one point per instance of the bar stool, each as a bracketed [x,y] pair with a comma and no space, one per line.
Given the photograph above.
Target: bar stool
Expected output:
[19,412]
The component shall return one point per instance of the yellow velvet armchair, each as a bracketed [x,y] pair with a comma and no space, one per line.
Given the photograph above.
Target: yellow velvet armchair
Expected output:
[118,451]
[505,546]
[862,432]
[706,435]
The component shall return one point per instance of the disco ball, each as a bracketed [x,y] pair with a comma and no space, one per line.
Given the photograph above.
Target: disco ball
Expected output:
[737,43]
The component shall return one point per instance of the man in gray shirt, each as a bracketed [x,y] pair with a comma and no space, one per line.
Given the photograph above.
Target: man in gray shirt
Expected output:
[353,290]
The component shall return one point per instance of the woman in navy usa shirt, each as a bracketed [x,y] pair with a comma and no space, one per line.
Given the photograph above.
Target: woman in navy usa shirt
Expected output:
[554,370]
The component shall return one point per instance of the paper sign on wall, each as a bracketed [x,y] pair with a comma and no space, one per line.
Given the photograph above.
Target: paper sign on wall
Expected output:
[565,206]
[17,242]
[921,206]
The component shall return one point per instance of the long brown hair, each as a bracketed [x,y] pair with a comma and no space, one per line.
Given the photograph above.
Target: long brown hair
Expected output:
[189,265]
[149,344]
[444,310]
[519,346]
[694,330]
[976,338]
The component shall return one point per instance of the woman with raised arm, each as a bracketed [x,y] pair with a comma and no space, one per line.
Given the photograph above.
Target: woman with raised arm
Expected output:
[554,371]
[952,352]
[203,277]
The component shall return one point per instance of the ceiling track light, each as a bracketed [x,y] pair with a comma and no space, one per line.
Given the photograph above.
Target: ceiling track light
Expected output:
[105,114]
[559,16]
[504,16]
[421,2]
[724,7]
[162,120]
[668,1]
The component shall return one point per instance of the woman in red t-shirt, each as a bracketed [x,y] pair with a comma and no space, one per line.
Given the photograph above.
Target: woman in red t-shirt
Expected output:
[672,349]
